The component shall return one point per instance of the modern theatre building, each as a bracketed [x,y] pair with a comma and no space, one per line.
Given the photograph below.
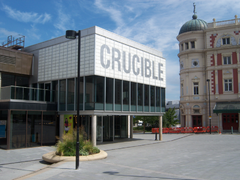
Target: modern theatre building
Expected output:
[119,78]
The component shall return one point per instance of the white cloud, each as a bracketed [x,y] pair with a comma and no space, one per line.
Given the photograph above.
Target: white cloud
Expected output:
[115,14]
[26,16]
[33,33]
[64,20]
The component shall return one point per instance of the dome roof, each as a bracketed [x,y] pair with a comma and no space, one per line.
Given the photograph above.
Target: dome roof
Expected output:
[193,25]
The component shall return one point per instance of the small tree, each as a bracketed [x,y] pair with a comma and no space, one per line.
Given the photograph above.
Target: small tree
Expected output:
[169,118]
[153,120]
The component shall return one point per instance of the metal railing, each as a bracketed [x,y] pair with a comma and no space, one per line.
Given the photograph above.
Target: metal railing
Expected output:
[26,93]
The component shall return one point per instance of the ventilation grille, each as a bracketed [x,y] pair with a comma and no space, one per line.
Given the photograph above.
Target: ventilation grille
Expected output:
[7,59]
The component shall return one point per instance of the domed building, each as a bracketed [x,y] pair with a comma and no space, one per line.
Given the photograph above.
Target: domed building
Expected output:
[209,62]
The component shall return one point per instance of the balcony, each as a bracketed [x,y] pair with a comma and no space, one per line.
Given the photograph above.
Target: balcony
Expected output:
[27,94]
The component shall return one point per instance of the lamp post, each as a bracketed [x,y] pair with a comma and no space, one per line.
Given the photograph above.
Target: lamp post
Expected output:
[210,118]
[70,34]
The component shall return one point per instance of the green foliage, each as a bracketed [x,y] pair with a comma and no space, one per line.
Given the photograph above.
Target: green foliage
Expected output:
[83,152]
[67,147]
[146,119]
[169,118]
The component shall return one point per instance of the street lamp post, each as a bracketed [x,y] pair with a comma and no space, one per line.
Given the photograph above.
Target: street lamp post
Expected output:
[210,118]
[70,34]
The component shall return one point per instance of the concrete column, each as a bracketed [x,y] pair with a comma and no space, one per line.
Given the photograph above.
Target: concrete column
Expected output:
[238,122]
[94,130]
[160,128]
[61,126]
[131,127]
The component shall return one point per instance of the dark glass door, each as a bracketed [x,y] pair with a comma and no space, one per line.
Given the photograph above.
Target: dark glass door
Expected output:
[230,120]
[196,121]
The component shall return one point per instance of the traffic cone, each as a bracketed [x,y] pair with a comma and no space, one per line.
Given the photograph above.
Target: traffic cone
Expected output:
[220,131]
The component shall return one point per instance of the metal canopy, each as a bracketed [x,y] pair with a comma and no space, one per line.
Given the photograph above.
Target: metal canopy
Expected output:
[227,107]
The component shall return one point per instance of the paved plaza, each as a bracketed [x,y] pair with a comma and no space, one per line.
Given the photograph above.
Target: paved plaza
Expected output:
[177,157]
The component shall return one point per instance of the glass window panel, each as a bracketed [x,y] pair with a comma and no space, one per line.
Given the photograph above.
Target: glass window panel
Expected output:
[153,96]
[34,128]
[49,128]
[118,94]
[8,80]
[18,129]
[62,95]
[89,91]
[152,93]
[55,91]
[109,94]
[146,97]
[3,129]
[140,97]
[125,96]
[99,92]
[163,99]
[133,96]
[70,94]
[22,81]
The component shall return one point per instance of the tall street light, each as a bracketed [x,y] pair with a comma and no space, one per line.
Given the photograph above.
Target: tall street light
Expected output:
[210,117]
[70,34]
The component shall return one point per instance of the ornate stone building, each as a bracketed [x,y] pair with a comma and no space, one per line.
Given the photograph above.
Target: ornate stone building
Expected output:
[210,51]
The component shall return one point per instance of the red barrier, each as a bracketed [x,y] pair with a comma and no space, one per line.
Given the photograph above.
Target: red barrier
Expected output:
[199,129]
[186,130]
[213,128]
[165,130]
[155,130]
[174,130]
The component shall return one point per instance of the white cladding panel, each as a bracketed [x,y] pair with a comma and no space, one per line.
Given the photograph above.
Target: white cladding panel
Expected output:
[118,60]
[58,61]
[103,53]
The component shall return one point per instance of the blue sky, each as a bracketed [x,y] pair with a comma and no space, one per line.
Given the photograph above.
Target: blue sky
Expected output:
[154,23]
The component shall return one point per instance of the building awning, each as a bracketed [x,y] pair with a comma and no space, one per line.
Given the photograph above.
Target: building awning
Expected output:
[227,107]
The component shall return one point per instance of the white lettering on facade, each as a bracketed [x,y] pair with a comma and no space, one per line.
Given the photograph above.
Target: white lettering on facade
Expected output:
[133,63]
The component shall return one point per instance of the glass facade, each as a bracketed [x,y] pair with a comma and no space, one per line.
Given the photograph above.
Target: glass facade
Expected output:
[34,128]
[70,94]
[146,98]
[125,96]
[118,95]
[133,96]
[18,129]
[49,128]
[140,97]
[98,93]
[28,129]
[3,129]
[62,95]
[109,94]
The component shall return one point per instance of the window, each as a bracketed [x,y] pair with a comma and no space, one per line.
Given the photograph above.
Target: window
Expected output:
[182,89]
[195,88]
[228,84]
[192,44]
[225,41]
[182,47]
[227,60]
[186,45]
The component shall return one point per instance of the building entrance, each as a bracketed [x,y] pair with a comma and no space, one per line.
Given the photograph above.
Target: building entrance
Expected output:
[230,120]
[197,121]
[105,128]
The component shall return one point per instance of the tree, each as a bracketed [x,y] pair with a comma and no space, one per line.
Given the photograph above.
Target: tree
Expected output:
[153,120]
[170,118]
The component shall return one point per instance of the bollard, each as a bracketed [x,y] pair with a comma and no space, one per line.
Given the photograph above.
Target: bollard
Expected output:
[155,136]
[231,130]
